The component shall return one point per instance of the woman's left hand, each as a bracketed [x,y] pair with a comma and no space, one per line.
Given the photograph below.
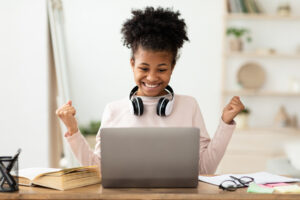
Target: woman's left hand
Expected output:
[234,107]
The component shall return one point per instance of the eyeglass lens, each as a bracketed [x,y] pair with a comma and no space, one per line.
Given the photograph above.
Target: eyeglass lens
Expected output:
[229,185]
[245,180]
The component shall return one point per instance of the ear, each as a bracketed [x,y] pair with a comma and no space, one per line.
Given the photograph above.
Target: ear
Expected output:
[132,62]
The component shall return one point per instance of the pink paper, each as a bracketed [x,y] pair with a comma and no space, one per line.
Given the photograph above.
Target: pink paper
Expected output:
[264,186]
[271,185]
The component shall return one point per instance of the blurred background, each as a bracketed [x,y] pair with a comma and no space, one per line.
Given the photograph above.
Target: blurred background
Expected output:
[56,50]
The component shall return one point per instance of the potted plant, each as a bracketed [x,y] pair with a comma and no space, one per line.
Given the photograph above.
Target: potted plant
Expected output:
[242,119]
[90,131]
[236,43]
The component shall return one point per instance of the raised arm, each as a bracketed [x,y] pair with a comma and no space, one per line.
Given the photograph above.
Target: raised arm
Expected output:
[81,149]
[212,150]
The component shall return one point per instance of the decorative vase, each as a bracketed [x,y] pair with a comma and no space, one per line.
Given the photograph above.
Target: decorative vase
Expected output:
[282,118]
[236,44]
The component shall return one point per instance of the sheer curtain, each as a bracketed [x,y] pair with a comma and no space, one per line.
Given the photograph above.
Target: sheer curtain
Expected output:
[61,82]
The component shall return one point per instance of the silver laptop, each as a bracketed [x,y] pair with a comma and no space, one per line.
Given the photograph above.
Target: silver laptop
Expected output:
[149,157]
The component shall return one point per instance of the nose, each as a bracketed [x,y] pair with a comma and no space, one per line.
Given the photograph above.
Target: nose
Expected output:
[152,76]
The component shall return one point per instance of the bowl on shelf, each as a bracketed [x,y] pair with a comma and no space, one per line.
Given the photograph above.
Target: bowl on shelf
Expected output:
[251,76]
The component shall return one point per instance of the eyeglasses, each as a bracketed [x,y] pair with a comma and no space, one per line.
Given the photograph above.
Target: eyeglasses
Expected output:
[234,183]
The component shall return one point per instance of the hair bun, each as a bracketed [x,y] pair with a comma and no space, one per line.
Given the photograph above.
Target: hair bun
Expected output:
[156,29]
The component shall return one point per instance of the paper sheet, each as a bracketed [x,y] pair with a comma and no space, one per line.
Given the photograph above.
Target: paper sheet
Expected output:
[259,178]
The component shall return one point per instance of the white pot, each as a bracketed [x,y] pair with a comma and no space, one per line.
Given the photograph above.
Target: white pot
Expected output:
[241,121]
[292,150]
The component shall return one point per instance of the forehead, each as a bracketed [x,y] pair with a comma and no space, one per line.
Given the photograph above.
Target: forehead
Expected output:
[152,56]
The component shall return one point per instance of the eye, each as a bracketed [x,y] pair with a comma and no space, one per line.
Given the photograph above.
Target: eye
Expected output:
[162,70]
[143,69]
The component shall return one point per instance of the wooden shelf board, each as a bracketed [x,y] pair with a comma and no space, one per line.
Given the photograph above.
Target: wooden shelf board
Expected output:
[237,16]
[270,130]
[261,55]
[261,93]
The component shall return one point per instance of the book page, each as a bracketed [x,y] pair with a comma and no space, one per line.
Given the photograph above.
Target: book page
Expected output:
[32,173]
[76,170]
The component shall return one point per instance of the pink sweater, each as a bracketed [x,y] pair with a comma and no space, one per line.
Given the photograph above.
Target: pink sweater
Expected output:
[185,113]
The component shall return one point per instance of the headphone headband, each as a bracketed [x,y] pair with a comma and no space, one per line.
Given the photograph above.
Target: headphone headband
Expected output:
[163,108]
[133,91]
[170,91]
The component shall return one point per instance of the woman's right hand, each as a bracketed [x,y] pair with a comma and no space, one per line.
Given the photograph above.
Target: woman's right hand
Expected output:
[67,114]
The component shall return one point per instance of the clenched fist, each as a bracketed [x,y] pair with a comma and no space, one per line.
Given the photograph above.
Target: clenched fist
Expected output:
[234,107]
[67,114]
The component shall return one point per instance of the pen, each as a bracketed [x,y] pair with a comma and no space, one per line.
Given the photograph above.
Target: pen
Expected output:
[6,176]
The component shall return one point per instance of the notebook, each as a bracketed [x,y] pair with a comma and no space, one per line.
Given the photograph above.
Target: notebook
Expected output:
[149,157]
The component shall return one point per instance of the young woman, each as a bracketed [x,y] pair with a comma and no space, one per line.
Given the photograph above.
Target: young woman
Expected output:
[154,37]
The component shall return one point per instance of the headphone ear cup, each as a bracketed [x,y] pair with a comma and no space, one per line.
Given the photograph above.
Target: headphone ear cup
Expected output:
[140,107]
[161,106]
[158,106]
[137,107]
[164,106]
[169,108]
[134,106]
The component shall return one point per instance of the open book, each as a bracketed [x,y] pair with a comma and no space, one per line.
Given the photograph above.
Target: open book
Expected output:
[60,179]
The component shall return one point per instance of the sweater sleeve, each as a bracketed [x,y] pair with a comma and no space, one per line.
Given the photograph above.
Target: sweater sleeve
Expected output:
[211,150]
[81,149]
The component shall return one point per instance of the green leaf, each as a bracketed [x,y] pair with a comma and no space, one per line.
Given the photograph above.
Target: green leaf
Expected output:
[238,33]
[91,129]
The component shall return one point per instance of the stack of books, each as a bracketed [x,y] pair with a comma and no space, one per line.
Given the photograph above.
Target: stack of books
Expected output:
[243,6]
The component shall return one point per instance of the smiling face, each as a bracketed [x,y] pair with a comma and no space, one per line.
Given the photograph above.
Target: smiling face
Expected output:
[152,71]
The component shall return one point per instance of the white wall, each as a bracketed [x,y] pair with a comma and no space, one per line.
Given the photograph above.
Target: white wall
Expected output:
[99,64]
[24,81]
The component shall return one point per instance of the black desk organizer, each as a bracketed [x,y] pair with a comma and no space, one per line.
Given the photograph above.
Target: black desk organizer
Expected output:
[9,173]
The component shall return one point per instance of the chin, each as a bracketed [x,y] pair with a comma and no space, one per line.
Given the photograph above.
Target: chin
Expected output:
[152,94]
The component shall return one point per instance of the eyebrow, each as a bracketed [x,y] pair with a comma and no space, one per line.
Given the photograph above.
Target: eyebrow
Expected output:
[162,64]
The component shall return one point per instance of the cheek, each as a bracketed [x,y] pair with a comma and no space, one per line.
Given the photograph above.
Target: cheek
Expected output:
[167,76]
[137,75]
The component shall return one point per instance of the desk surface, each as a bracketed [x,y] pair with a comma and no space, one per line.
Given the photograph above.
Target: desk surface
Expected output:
[204,191]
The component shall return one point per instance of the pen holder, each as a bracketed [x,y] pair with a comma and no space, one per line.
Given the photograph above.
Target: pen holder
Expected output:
[8,174]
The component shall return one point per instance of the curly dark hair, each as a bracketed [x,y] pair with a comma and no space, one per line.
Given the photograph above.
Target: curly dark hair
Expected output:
[155,29]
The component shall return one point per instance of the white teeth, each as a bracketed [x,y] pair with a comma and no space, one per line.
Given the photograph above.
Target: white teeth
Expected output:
[151,86]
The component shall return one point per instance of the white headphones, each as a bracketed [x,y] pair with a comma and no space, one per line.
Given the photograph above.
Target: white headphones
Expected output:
[163,108]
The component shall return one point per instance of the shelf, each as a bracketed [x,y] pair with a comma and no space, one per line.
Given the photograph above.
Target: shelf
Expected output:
[241,16]
[262,55]
[261,93]
[269,130]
